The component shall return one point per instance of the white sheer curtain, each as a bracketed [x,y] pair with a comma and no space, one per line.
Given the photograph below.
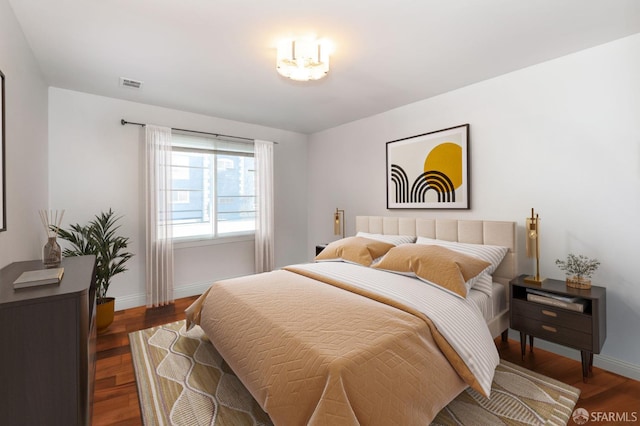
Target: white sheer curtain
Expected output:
[159,261]
[264,251]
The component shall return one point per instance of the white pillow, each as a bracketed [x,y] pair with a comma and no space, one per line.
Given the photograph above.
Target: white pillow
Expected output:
[391,239]
[486,252]
[483,283]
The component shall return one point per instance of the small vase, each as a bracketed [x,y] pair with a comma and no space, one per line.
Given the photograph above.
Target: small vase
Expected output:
[579,282]
[51,253]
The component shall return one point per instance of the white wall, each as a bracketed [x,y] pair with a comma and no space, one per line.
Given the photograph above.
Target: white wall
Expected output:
[96,164]
[562,136]
[25,144]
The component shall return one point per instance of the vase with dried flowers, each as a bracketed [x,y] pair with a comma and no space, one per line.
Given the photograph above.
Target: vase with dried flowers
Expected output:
[579,270]
[51,252]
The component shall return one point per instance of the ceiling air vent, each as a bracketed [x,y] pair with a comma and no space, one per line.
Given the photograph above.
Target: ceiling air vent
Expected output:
[127,82]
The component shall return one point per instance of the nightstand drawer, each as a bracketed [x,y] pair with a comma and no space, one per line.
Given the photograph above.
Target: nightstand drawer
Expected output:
[553,332]
[555,316]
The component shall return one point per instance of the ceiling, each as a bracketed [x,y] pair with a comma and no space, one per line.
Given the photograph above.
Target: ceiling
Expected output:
[217,57]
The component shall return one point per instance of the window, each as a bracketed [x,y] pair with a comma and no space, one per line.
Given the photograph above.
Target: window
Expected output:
[213,187]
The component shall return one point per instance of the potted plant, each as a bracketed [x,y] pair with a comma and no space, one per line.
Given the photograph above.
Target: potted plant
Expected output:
[579,270]
[99,238]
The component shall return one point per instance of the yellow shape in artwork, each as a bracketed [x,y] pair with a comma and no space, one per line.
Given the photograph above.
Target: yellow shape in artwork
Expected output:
[446,158]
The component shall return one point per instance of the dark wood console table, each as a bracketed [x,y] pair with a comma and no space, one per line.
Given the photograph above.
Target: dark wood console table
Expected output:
[48,335]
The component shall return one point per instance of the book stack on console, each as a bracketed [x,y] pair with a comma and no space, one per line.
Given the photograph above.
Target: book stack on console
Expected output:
[566,302]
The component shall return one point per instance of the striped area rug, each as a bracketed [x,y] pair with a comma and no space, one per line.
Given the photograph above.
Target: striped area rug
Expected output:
[182,380]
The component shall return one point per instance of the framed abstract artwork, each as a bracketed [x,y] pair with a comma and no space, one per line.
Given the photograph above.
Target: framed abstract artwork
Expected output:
[429,171]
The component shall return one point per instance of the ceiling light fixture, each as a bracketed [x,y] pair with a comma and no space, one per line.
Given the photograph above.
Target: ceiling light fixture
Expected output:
[302,59]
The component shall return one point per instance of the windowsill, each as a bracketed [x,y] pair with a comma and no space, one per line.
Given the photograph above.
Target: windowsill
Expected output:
[187,242]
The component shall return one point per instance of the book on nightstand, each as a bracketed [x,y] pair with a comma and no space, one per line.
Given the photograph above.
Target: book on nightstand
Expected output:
[554,295]
[39,277]
[577,305]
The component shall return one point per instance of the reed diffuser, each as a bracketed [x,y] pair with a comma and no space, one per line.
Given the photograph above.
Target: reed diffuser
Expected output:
[51,253]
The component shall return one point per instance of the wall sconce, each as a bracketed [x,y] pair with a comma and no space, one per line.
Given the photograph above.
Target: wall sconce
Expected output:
[338,222]
[533,246]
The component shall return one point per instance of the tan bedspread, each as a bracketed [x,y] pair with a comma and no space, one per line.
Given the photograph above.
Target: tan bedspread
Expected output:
[312,353]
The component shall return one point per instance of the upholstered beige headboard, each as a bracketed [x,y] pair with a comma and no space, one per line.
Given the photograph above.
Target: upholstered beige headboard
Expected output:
[464,231]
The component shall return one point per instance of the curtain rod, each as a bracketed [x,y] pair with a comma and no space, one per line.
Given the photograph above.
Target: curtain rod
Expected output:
[123,122]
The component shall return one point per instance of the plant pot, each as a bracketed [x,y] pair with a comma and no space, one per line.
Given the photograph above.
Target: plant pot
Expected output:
[105,308]
[579,282]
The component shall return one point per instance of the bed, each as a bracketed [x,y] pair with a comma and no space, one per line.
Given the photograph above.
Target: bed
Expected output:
[499,233]
[337,343]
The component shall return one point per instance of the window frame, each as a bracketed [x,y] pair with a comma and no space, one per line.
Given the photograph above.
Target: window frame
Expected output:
[214,237]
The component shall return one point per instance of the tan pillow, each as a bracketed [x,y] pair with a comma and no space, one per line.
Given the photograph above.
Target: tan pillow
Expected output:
[438,265]
[354,249]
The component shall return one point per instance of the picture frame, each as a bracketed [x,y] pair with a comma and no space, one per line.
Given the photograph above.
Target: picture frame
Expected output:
[430,170]
[3,199]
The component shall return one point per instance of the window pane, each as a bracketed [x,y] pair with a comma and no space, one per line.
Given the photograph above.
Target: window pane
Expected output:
[191,188]
[213,194]
[235,193]
[179,166]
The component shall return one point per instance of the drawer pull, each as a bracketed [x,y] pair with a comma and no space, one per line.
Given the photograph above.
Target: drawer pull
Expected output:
[549,313]
[549,328]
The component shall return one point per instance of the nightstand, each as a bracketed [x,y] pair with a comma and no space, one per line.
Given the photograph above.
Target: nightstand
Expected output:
[320,247]
[584,331]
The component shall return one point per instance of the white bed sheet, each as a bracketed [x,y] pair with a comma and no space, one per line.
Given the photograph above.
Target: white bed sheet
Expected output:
[490,306]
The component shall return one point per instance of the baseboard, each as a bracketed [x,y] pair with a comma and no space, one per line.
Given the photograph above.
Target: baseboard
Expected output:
[191,289]
[130,301]
[605,362]
[135,300]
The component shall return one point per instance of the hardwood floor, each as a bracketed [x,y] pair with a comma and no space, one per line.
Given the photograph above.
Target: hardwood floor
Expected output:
[116,399]
[603,392]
